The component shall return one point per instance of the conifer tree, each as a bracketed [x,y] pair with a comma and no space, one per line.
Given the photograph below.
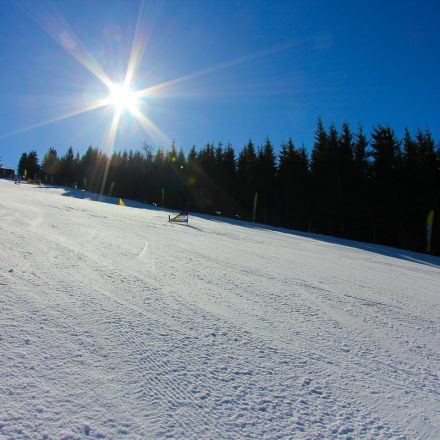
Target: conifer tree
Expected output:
[265,183]
[385,151]
[22,164]
[362,206]
[293,186]
[67,165]
[229,181]
[345,181]
[247,178]
[50,166]
[32,165]
[420,192]
[324,174]
[192,178]
[285,185]
[301,184]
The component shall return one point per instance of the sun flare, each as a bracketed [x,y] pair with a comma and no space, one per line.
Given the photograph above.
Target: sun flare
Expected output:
[122,98]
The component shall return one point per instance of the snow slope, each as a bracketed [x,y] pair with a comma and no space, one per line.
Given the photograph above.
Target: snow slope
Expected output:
[116,324]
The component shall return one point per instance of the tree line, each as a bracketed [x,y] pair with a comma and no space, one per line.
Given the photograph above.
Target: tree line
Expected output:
[376,190]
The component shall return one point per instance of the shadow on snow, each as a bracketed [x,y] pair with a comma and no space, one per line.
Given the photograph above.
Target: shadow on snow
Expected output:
[402,254]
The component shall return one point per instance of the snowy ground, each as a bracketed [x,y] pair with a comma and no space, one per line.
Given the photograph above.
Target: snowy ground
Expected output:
[116,324]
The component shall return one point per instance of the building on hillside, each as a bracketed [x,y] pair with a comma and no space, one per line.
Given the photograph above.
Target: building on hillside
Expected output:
[7,173]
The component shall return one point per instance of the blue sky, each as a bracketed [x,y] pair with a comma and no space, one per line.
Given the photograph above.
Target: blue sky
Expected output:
[262,68]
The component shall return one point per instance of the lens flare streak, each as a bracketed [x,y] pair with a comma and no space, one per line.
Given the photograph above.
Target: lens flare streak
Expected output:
[109,145]
[48,18]
[93,106]
[149,127]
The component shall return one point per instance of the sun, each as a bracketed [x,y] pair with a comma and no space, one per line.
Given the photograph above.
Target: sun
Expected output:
[122,98]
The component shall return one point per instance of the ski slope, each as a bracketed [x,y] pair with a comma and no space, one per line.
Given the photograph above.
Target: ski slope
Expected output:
[117,324]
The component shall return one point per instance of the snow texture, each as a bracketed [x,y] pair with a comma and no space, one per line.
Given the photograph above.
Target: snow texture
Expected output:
[117,324]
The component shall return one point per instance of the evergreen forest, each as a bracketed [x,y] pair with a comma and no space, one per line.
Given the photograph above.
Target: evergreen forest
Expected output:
[378,189]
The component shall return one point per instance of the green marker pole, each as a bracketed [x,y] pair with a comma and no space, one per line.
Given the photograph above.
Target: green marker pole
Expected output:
[163,195]
[429,224]
[111,188]
[255,207]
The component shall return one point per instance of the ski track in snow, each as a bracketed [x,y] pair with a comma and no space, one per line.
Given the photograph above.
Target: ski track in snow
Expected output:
[116,324]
